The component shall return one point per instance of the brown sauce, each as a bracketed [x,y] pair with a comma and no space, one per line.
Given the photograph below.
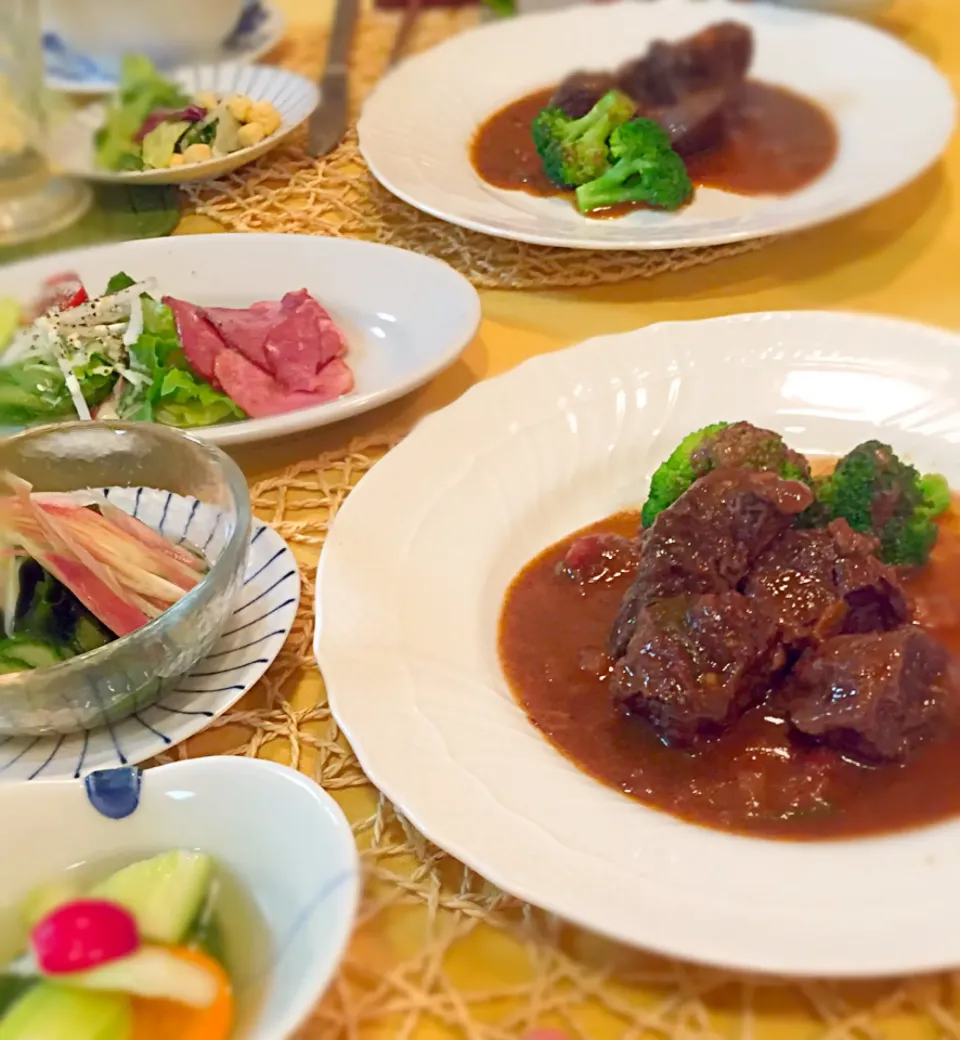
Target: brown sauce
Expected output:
[755,779]
[777,143]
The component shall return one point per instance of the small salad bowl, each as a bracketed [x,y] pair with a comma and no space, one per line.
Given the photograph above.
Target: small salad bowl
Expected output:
[187,491]
[282,880]
[72,145]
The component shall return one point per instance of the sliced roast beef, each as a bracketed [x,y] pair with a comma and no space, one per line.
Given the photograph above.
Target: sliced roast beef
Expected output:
[245,329]
[259,394]
[694,664]
[708,540]
[827,582]
[200,340]
[301,342]
[875,696]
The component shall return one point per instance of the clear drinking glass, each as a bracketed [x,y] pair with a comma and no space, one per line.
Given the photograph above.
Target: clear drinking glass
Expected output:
[33,201]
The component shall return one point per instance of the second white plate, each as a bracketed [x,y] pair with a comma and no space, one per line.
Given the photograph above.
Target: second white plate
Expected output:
[894,111]
[405,316]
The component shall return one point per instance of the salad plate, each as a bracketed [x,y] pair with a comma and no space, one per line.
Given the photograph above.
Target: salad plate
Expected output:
[409,647]
[73,147]
[260,28]
[868,84]
[261,621]
[379,322]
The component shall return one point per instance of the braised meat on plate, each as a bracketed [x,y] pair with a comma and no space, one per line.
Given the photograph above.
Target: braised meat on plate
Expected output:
[762,653]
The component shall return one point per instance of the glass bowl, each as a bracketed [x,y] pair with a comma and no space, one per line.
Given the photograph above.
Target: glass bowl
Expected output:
[129,674]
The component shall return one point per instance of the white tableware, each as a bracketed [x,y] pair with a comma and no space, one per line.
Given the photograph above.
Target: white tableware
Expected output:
[168,31]
[258,30]
[406,316]
[412,579]
[71,144]
[281,837]
[265,610]
[894,112]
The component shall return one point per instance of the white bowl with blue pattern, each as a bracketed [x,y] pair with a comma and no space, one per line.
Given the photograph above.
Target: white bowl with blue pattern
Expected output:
[69,68]
[280,836]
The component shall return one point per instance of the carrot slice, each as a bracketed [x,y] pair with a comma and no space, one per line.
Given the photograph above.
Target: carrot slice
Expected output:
[168,1020]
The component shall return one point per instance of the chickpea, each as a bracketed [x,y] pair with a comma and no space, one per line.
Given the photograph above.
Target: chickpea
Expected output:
[197,153]
[250,134]
[176,160]
[239,107]
[266,115]
[207,99]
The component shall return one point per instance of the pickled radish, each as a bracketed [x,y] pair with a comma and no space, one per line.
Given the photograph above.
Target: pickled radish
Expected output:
[82,935]
[169,1020]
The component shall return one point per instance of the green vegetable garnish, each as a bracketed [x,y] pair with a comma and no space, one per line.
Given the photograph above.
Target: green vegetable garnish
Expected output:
[171,393]
[142,90]
[574,151]
[10,312]
[878,493]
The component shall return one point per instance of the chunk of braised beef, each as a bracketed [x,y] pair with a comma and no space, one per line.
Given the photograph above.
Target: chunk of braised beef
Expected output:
[826,582]
[580,91]
[876,696]
[719,56]
[708,540]
[694,664]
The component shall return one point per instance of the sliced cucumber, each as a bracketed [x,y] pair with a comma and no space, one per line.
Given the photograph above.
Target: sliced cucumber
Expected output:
[46,899]
[49,1012]
[12,988]
[87,636]
[164,893]
[33,652]
[153,972]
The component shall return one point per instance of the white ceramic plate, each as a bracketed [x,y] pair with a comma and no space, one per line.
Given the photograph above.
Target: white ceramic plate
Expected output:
[262,618]
[71,145]
[894,111]
[406,316]
[411,583]
[278,834]
[259,30]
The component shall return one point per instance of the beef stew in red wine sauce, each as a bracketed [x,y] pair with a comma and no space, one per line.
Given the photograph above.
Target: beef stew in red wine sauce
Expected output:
[734,133]
[783,769]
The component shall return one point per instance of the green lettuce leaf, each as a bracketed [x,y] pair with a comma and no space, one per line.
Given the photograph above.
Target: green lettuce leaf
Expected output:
[34,390]
[175,395]
[118,282]
[142,90]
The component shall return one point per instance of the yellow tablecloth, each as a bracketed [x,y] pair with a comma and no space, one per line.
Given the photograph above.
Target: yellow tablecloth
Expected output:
[901,257]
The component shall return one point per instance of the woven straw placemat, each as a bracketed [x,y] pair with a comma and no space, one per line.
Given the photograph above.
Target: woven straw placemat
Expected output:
[441,953]
[287,191]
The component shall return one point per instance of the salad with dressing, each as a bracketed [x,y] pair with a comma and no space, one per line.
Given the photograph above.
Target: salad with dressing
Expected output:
[132,356]
[152,124]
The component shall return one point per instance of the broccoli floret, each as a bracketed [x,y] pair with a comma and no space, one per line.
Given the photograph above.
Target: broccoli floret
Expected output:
[645,169]
[878,493]
[739,445]
[574,151]
[676,474]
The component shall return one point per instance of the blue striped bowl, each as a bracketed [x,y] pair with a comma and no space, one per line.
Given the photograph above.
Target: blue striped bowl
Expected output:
[188,491]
